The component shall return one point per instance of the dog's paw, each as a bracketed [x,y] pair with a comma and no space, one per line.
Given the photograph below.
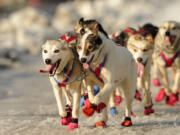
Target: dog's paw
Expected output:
[65,120]
[118,99]
[100,107]
[100,124]
[160,96]
[87,102]
[138,96]
[148,110]
[133,115]
[172,99]
[89,110]
[156,82]
[113,111]
[127,122]
[72,126]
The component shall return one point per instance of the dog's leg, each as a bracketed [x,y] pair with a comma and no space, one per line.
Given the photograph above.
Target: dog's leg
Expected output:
[147,95]
[165,81]
[102,122]
[156,81]
[59,100]
[68,97]
[75,109]
[112,104]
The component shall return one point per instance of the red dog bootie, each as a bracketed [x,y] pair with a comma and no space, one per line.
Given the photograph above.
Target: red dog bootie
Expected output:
[89,110]
[133,115]
[127,122]
[66,120]
[118,99]
[160,96]
[156,82]
[148,110]
[138,96]
[172,99]
[73,124]
[100,107]
[100,123]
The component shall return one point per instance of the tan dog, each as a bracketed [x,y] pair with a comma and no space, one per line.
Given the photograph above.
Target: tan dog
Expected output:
[63,67]
[112,64]
[167,49]
[141,46]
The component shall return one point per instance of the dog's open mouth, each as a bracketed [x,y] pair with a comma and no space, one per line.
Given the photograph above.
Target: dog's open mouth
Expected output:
[170,40]
[87,64]
[51,68]
[140,68]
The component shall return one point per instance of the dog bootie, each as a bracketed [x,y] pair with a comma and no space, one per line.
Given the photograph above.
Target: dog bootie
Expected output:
[118,99]
[66,120]
[113,111]
[172,99]
[96,90]
[160,96]
[156,82]
[100,123]
[127,122]
[133,115]
[100,107]
[82,101]
[148,110]
[138,96]
[73,124]
[89,110]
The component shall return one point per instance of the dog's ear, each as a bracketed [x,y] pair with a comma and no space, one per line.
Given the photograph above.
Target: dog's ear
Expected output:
[94,28]
[149,38]
[79,25]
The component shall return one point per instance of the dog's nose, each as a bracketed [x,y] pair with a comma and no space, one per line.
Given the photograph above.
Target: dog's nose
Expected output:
[139,59]
[48,61]
[83,60]
[167,33]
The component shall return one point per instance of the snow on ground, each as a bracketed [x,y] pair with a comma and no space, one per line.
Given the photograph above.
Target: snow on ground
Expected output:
[27,103]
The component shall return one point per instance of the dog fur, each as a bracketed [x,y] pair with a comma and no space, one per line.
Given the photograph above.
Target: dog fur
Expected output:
[119,70]
[168,42]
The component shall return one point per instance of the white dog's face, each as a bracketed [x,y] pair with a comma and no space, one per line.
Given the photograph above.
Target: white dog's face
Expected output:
[170,32]
[140,47]
[55,54]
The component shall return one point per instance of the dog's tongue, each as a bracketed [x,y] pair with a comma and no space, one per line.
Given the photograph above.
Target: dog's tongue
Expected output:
[169,40]
[86,65]
[140,69]
[47,69]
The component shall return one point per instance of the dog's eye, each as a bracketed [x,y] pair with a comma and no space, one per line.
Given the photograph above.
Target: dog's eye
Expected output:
[45,51]
[174,28]
[144,50]
[82,31]
[90,47]
[56,51]
[135,50]
[79,47]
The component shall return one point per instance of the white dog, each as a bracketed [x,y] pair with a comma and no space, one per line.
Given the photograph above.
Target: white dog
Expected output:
[112,64]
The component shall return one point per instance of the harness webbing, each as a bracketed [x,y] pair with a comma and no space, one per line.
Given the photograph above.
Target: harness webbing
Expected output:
[170,61]
[63,37]
[98,70]
[63,84]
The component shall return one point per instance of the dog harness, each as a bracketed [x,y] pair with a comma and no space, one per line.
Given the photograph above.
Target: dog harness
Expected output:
[135,32]
[98,70]
[170,61]
[63,37]
[63,84]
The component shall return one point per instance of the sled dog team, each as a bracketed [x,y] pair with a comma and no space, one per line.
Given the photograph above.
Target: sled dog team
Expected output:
[97,70]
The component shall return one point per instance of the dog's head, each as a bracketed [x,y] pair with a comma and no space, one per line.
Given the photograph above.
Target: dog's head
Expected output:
[170,34]
[141,47]
[89,42]
[56,55]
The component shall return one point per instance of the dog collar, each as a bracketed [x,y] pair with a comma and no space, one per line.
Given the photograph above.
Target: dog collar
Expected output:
[63,83]
[63,37]
[98,70]
[135,32]
[170,61]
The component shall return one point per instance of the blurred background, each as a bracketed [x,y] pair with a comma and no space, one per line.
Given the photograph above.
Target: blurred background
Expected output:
[26,24]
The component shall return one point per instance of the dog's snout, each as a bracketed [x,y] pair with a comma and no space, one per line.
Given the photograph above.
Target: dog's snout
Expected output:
[83,60]
[139,59]
[167,33]
[48,61]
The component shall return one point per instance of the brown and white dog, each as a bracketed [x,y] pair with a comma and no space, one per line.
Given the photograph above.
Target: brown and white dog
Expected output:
[141,46]
[112,64]
[63,67]
[167,54]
